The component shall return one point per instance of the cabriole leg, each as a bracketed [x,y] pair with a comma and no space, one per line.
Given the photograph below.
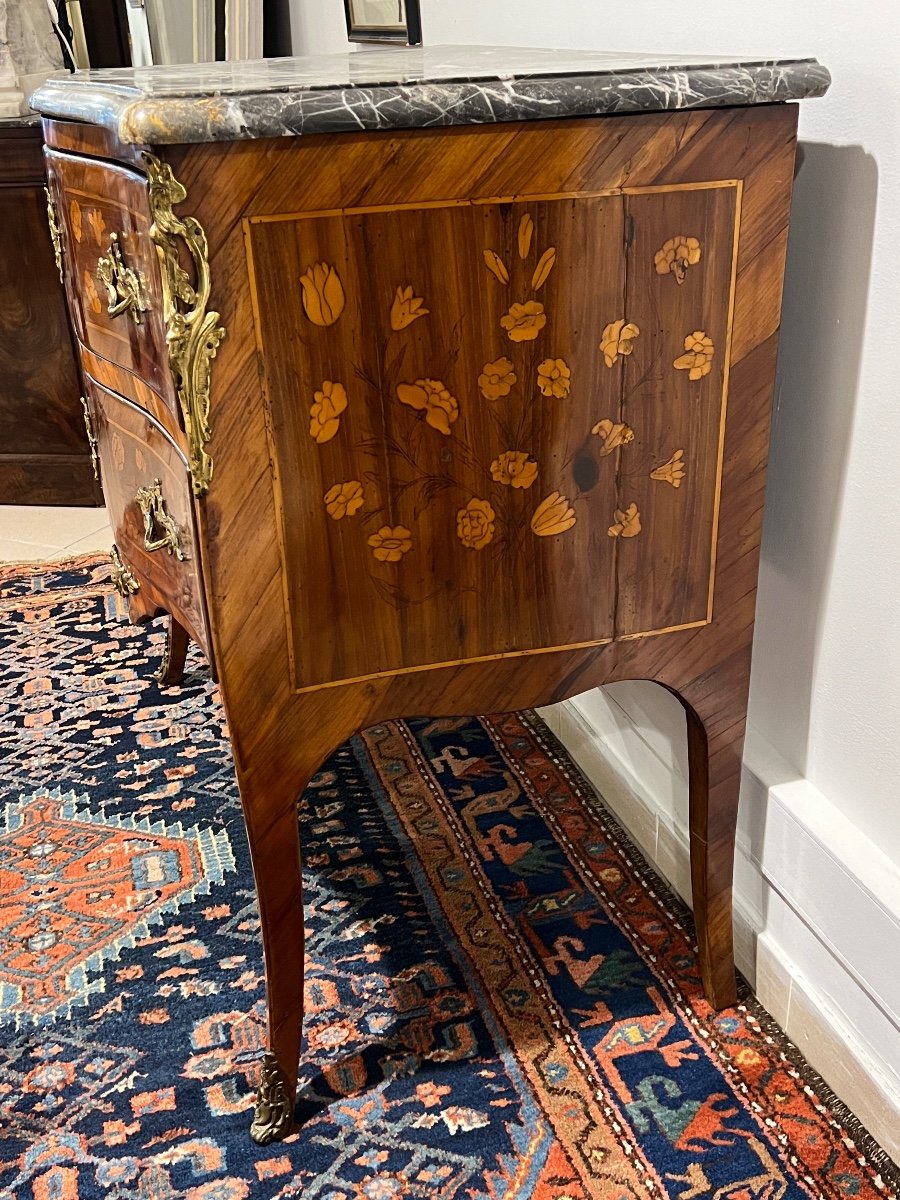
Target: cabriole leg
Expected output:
[716,709]
[270,811]
[171,671]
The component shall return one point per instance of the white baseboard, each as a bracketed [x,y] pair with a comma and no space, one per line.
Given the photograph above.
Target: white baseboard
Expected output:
[817,905]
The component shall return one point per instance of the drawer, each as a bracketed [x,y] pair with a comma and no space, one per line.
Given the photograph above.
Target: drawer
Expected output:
[132,388]
[148,499]
[111,266]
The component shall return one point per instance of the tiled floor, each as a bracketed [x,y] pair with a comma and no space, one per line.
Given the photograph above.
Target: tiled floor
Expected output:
[33,534]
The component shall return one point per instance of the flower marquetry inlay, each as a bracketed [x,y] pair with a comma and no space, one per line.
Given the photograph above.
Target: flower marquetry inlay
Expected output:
[497,517]
[618,338]
[514,468]
[344,499]
[430,397]
[553,515]
[325,412]
[698,355]
[525,321]
[611,435]
[554,378]
[627,523]
[406,308]
[677,254]
[671,471]
[322,294]
[390,543]
[475,524]
[497,379]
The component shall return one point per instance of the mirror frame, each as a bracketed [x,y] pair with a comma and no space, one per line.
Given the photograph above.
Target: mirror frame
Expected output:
[411,36]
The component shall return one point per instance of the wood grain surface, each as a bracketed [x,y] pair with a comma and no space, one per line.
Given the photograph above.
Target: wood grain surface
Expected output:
[91,140]
[97,202]
[120,380]
[44,455]
[498,480]
[135,452]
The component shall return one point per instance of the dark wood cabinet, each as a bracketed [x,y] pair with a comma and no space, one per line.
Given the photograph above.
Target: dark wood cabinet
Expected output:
[44,451]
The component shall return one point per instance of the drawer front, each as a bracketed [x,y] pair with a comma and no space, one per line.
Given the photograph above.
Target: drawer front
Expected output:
[148,498]
[111,265]
[123,383]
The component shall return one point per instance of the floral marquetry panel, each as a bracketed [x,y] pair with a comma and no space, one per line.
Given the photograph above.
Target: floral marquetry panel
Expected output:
[482,441]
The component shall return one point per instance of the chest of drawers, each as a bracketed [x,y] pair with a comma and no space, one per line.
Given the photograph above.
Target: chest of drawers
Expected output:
[409,403]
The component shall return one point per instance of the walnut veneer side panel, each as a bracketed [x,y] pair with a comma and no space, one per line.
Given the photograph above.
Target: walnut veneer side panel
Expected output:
[447,445]
[754,147]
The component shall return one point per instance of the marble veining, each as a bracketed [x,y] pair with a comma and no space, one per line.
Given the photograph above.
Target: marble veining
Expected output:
[415,87]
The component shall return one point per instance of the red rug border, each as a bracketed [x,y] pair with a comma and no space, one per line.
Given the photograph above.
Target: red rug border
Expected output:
[843,1119]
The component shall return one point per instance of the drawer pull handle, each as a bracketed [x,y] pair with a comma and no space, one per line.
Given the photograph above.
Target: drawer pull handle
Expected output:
[123,284]
[123,577]
[160,529]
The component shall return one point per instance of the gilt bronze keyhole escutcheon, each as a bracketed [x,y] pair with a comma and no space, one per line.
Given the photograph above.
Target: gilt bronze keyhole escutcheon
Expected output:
[123,284]
[161,531]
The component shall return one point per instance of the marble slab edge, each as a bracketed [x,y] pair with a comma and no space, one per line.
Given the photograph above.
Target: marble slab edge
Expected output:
[168,120]
[20,121]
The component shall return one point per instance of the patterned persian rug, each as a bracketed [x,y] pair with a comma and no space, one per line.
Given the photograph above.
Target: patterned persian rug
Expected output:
[502,999]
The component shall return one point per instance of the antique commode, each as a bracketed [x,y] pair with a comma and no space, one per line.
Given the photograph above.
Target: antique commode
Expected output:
[408,374]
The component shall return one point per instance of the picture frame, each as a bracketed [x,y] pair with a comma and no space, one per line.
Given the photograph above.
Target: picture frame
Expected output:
[392,22]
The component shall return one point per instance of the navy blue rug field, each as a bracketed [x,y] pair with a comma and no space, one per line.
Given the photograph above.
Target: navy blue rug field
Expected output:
[502,1000]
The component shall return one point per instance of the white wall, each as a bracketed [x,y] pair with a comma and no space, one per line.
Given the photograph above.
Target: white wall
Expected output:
[819,848]
[317,27]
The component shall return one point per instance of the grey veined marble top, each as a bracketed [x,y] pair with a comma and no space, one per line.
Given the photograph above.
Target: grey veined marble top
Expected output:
[417,87]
